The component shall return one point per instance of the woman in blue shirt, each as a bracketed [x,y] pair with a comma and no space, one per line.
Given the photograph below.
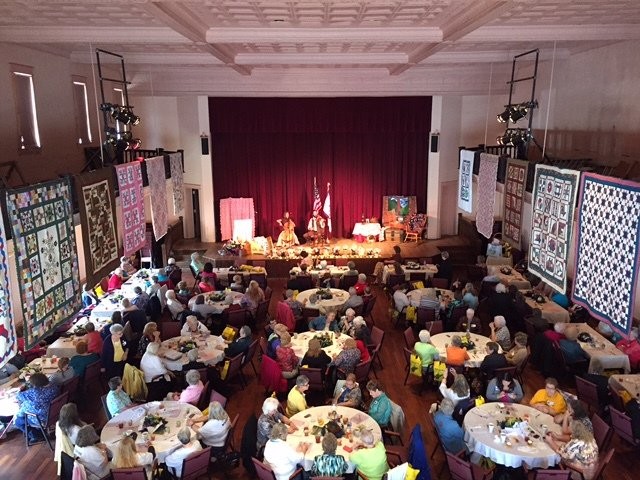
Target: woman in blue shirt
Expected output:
[380,408]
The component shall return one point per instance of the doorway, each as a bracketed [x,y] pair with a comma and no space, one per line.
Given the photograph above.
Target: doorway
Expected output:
[195,209]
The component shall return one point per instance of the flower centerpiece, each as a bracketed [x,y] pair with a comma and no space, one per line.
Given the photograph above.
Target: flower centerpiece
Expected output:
[218,296]
[233,247]
[324,294]
[155,421]
[28,370]
[505,270]
[467,342]
[325,339]
[79,331]
[184,347]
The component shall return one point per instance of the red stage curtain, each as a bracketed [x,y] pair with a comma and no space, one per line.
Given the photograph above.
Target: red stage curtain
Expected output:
[270,149]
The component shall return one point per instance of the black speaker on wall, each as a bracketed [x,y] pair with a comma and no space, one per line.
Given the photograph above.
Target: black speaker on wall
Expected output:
[434,143]
[204,144]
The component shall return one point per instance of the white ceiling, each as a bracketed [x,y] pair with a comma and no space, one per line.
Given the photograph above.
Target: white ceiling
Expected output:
[227,47]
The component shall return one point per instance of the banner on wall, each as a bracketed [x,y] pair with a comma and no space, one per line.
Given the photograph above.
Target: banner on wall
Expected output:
[158,196]
[487,179]
[554,200]
[608,249]
[465,181]
[129,177]
[8,337]
[514,188]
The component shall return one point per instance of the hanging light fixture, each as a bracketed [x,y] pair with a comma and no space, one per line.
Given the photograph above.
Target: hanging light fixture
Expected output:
[504,116]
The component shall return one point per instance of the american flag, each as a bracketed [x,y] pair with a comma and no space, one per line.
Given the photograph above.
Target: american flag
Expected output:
[317,204]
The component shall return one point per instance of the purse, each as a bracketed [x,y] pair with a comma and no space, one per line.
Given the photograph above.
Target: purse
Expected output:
[415,365]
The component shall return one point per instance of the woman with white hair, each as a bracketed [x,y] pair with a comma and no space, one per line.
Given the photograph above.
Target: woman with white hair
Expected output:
[501,303]
[500,333]
[426,351]
[193,326]
[214,429]
[361,284]
[114,351]
[197,262]
[125,265]
[280,456]
[346,321]
[187,446]
[156,374]
[192,393]
[116,280]
[173,304]
[370,457]
[270,417]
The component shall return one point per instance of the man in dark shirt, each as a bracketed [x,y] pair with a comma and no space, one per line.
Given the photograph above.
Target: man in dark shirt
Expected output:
[493,360]
[240,344]
[445,268]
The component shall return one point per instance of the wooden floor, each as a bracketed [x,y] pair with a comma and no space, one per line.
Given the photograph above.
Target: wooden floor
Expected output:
[19,463]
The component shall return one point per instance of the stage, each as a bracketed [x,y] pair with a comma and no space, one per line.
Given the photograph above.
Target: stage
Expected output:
[278,267]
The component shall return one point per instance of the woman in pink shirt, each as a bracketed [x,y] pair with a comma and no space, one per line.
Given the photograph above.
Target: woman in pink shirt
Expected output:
[192,393]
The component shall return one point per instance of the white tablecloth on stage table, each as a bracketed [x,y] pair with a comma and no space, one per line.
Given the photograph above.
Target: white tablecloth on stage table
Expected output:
[339,298]
[175,413]
[476,355]
[609,356]
[300,343]
[427,270]
[415,295]
[207,351]
[630,383]
[551,311]
[219,306]
[514,278]
[480,440]
[309,418]
[368,229]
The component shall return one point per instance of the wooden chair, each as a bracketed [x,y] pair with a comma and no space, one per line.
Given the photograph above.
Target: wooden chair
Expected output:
[501,371]
[415,227]
[71,386]
[264,472]
[361,372]
[202,401]
[248,358]
[520,369]
[368,311]
[136,473]
[377,337]
[409,338]
[264,346]
[434,327]
[93,376]
[204,374]
[315,376]
[602,432]
[393,280]
[235,370]
[550,474]
[406,353]
[348,281]
[217,397]
[107,413]
[603,461]
[461,469]
[262,311]
[236,318]
[52,417]
[621,424]
[588,393]
[170,329]
[196,465]
[361,476]
[425,316]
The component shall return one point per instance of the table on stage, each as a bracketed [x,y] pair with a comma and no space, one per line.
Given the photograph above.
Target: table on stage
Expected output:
[476,355]
[340,297]
[210,350]
[551,311]
[481,436]
[300,343]
[175,413]
[362,231]
[602,349]
[310,418]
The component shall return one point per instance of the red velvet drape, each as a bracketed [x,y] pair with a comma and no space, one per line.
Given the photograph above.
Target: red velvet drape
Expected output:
[270,149]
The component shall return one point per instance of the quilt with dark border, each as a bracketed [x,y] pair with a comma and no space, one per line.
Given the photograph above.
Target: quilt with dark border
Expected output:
[129,177]
[514,188]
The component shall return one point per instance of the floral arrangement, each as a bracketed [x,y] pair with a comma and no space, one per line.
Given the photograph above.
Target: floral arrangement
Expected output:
[233,247]
[28,370]
[509,422]
[505,270]
[116,298]
[187,346]
[325,339]
[324,294]
[152,420]
[80,331]
[412,266]
[218,296]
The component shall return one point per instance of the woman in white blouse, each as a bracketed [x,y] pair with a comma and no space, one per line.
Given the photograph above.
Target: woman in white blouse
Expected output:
[173,304]
[91,454]
[156,374]
[280,456]
[216,428]
[193,326]
[459,389]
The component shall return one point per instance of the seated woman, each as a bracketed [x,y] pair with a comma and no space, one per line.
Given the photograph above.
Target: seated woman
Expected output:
[549,400]
[447,309]
[505,389]
[345,324]
[296,401]
[253,296]
[193,326]
[329,464]
[348,358]
[425,350]
[286,357]
[470,296]
[88,297]
[207,272]
[273,341]
[459,389]
[361,342]
[280,456]
[580,453]
[370,457]
[117,399]
[456,354]
[92,338]
[237,285]
[380,407]
[156,375]
[69,421]
[349,394]
[206,285]
[518,352]
[575,413]
[183,294]
[150,334]
[361,284]
[324,322]
[197,262]
[116,280]
[92,454]
[63,373]
[571,349]
[192,393]
[173,304]
[316,357]
[469,323]
[240,344]
[130,454]
[500,333]
[214,429]
[449,430]
[126,266]
[35,400]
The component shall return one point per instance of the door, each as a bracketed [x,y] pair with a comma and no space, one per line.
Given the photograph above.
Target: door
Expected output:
[195,206]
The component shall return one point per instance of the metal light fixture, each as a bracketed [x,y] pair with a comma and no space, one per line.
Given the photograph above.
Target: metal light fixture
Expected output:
[504,116]
[514,137]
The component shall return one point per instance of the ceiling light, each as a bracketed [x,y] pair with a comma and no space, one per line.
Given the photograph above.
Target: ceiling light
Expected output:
[504,116]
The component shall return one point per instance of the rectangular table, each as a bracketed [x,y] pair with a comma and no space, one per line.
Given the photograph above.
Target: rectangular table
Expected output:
[513,278]
[602,349]
[427,270]
[551,311]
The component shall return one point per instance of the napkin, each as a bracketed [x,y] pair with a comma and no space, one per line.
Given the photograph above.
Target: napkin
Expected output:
[358,418]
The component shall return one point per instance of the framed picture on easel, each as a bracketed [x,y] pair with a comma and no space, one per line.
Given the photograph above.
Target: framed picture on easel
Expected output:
[396,209]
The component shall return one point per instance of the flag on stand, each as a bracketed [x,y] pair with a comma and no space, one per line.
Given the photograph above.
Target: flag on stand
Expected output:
[327,207]
[317,204]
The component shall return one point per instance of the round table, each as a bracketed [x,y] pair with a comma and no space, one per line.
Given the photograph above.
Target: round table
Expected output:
[477,354]
[309,418]
[300,343]
[415,295]
[175,413]
[516,452]
[208,351]
[339,299]
[219,306]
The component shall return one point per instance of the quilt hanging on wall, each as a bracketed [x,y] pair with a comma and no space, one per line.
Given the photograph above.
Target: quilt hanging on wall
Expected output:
[8,337]
[129,177]
[554,200]
[514,188]
[608,249]
[47,262]
[158,196]
[487,177]
[177,182]
[465,181]
[96,201]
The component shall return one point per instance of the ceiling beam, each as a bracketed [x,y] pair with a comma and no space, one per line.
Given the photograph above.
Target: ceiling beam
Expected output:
[320,58]
[549,33]
[109,35]
[184,21]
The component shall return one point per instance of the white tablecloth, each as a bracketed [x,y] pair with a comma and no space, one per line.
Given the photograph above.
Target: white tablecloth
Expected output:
[415,295]
[309,418]
[368,229]
[339,298]
[65,347]
[207,351]
[318,272]
[514,278]
[551,311]
[223,274]
[142,279]
[480,440]
[477,354]
[219,306]
[174,412]
[502,261]
[109,304]
[300,343]
[630,383]
[427,270]
[603,350]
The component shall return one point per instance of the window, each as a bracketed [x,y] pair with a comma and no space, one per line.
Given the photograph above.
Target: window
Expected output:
[28,133]
[81,110]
